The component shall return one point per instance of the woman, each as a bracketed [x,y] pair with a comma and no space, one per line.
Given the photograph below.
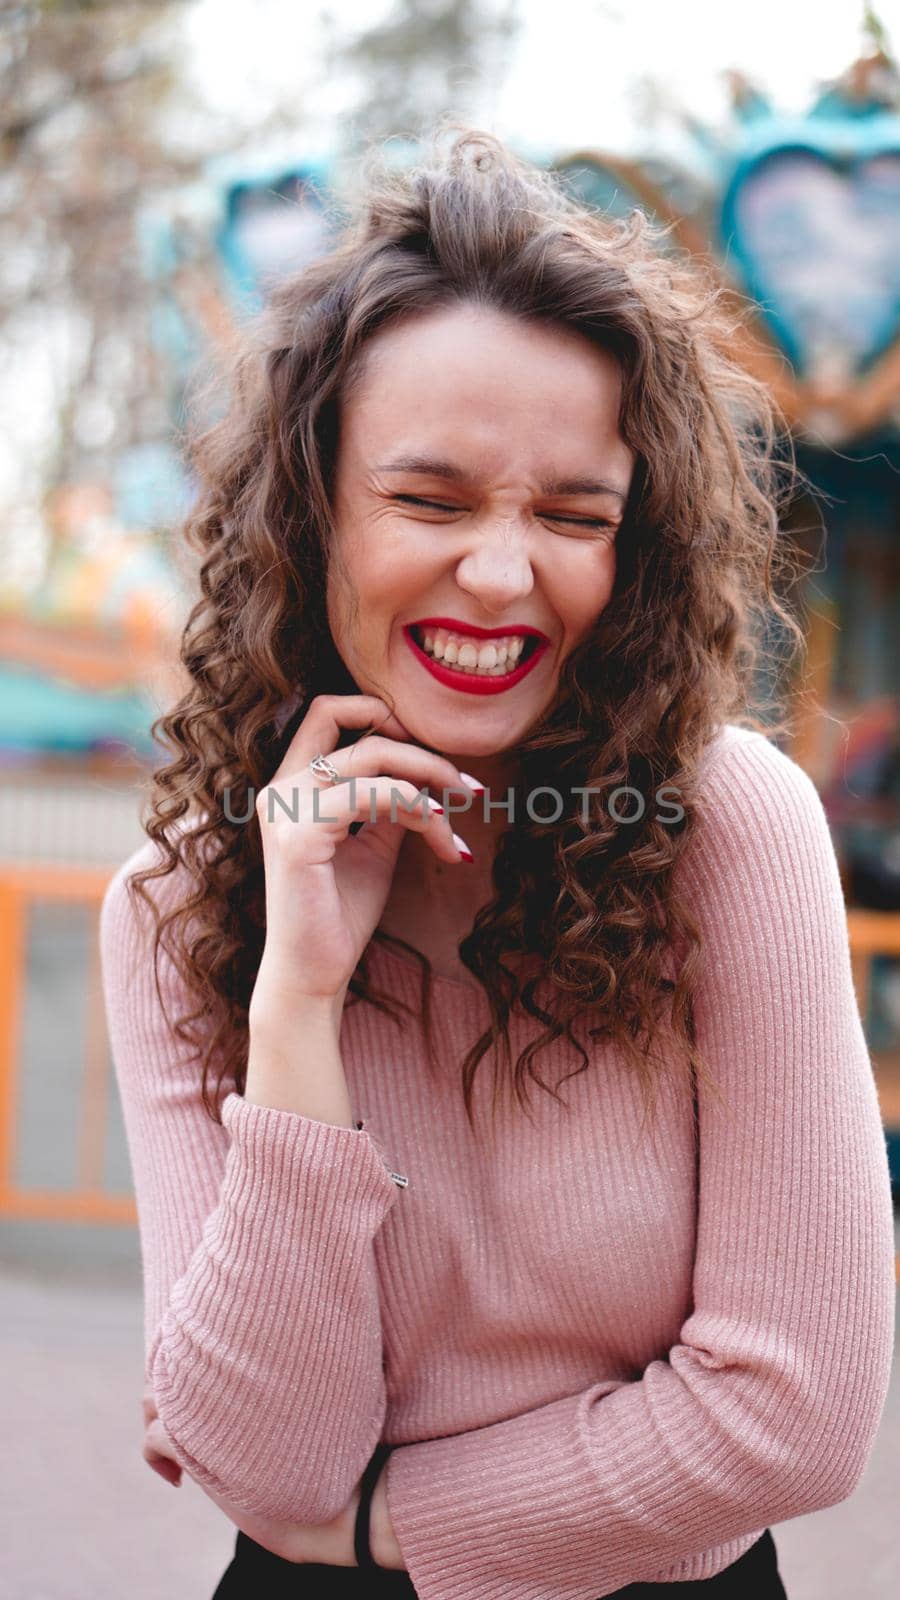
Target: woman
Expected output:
[486,532]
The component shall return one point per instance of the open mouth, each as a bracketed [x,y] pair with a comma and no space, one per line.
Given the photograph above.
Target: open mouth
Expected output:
[479,658]
[475,665]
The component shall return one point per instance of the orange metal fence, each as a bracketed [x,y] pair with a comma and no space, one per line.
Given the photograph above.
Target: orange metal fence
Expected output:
[22,887]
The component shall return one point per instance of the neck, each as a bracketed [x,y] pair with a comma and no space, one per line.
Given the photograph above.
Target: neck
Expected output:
[445,896]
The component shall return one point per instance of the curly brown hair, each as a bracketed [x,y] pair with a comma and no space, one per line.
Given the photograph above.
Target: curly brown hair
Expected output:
[672,657]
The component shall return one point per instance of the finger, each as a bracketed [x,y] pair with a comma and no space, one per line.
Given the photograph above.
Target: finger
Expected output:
[158,1452]
[157,1439]
[373,800]
[327,716]
[170,1470]
[374,756]
[449,846]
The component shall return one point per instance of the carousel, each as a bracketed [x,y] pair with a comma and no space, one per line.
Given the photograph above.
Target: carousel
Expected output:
[798,218]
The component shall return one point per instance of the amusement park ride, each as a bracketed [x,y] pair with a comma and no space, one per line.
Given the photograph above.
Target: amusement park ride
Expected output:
[804,223]
[798,219]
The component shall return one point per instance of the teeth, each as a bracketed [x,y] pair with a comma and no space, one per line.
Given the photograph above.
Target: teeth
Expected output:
[492,659]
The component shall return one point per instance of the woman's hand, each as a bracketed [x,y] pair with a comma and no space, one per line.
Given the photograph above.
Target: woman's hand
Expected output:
[383,1542]
[156,1444]
[325,888]
[329,1543]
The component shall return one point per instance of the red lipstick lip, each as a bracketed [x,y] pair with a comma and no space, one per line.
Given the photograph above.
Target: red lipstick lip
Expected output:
[471,683]
[455,626]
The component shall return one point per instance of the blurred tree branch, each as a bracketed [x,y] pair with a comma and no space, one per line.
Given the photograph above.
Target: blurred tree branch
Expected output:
[98,124]
[416,63]
[86,90]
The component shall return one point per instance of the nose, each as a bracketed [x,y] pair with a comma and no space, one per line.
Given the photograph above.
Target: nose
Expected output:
[496,570]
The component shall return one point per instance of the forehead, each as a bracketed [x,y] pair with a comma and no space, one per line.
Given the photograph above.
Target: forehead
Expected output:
[500,389]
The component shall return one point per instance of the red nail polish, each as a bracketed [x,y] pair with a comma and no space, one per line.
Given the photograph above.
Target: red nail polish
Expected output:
[472,783]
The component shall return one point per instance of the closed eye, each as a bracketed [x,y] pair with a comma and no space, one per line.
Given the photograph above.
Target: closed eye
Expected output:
[581,522]
[432,505]
[601,523]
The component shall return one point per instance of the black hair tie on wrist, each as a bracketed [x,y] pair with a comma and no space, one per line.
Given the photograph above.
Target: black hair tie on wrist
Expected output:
[361,1529]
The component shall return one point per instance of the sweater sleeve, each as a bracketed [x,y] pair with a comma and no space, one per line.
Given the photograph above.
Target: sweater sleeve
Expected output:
[262,1325]
[767,1406]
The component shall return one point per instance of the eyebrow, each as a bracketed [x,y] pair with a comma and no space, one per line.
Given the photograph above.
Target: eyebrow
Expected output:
[433,467]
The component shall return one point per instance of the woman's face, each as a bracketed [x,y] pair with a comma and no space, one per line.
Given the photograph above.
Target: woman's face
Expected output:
[479,485]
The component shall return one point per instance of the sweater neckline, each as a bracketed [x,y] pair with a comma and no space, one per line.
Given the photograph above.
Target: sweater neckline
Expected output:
[466,985]
[469,985]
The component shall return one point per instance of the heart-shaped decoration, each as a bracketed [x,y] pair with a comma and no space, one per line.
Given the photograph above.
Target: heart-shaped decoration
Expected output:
[616,187]
[810,221]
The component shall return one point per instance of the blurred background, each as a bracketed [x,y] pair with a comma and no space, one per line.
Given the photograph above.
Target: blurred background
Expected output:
[162,165]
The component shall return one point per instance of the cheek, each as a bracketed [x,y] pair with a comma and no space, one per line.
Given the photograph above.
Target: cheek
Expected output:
[583,580]
[346,608]
[336,609]
[357,603]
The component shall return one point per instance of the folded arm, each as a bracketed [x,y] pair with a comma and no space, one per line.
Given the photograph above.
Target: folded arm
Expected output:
[768,1404]
[263,1338]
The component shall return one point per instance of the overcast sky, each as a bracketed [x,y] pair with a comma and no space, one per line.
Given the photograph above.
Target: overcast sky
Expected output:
[571,75]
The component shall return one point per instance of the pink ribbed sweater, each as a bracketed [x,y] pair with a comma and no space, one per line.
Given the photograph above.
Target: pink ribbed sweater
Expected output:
[599,1358]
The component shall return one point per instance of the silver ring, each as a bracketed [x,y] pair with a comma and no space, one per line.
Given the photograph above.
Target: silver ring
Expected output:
[323,768]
